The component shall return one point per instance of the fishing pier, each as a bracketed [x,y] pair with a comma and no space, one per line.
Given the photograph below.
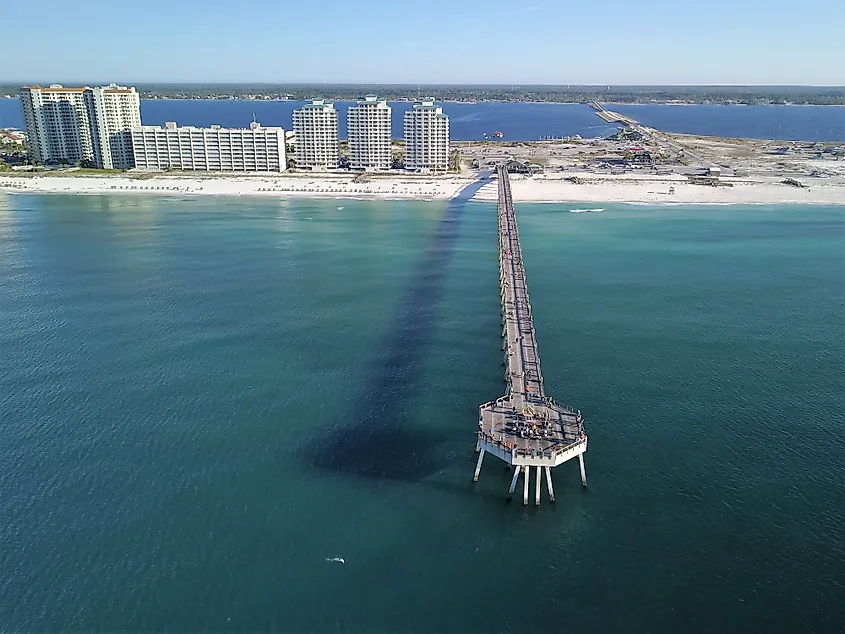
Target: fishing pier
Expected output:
[525,428]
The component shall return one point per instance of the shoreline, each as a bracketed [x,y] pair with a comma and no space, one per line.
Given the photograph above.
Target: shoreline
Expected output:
[349,99]
[594,189]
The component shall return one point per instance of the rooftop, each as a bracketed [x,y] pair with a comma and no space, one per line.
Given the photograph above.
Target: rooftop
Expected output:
[53,88]
[371,100]
[318,104]
[171,125]
[425,104]
[111,88]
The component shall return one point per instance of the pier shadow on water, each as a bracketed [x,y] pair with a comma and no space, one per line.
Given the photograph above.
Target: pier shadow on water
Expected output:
[379,440]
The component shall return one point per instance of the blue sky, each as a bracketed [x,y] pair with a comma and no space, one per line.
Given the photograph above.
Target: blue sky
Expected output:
[426,41]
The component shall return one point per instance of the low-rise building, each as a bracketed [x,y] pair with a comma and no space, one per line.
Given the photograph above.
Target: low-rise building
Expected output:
[214,149]
[11,138]
[515,166]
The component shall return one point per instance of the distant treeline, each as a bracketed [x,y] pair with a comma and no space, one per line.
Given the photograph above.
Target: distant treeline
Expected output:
[559,94]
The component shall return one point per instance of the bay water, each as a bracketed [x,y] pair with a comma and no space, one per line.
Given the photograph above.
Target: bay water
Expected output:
[202,400]
[517,121]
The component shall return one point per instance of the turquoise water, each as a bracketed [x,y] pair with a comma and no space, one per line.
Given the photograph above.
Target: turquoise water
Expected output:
[202,400]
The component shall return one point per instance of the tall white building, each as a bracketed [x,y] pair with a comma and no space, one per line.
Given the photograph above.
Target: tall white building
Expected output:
[368,131]
[426,138]
[213,149]
[116,111]
[81,124]
[315,129]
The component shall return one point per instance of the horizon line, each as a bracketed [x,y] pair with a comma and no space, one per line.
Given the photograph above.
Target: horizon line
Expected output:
[430,84]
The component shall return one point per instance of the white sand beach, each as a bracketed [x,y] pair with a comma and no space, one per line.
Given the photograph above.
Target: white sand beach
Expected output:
[274,186]
[640,188]
[593,188]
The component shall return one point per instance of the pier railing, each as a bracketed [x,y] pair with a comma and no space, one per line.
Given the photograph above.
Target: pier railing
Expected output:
[549,452]
[516,305]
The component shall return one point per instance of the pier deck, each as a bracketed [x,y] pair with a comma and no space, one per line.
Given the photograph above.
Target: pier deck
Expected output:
[524,427]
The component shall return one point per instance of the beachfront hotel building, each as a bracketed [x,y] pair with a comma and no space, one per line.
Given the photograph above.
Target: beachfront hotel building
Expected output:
[213,149]
[368,132]
[426,138]
[315,130]
[68,125]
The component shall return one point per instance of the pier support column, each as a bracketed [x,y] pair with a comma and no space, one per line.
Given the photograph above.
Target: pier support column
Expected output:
[537,486]
[478,465]
[549,484]
[513,482]
[583,471]
[526,470]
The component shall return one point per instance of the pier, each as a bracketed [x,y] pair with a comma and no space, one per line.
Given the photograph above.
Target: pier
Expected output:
[525,428]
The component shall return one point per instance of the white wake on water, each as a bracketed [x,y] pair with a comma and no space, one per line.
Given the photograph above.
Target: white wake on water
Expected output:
[339,560]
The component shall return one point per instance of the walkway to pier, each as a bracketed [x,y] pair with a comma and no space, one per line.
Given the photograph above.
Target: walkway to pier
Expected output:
[524,427]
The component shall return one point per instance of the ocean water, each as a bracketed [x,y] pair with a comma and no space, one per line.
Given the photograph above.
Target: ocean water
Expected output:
[201,400]
[517,121]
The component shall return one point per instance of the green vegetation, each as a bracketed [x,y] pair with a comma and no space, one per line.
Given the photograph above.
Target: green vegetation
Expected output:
[97,172]
[12,154]
[81,171]
[13,149]
[824,95]
[454,161]
[398,162]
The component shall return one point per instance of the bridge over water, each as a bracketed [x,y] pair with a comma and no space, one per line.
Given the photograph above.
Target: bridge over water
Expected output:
[525,427]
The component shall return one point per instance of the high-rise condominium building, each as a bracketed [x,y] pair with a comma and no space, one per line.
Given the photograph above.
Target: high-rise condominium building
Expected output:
[368,130]
[213,149]
[116,111]
[426,138]
[315,129]
[81,124]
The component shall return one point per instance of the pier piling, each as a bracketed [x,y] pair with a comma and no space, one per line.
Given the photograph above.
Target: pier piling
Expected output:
[526,472]
[478,465]
[583,471]
[513,481]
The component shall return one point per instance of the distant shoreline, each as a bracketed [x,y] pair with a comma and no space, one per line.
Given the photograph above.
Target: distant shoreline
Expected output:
[667,102]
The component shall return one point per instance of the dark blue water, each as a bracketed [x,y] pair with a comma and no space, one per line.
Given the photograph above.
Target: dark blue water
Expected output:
[518,121]
[799,123]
